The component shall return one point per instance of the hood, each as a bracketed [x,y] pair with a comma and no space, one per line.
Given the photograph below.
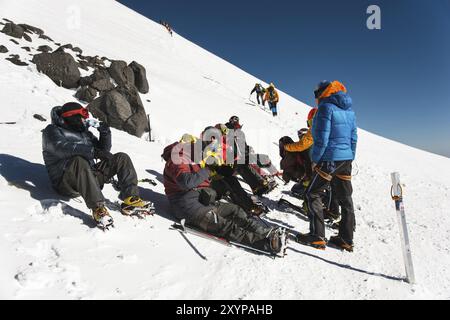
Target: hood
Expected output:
[166,155]
[56,116]
[341,100]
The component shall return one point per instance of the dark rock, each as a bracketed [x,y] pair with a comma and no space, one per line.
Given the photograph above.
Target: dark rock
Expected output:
[27,37]
[84,65]
[7,20]
[44,48]
[57,43]
[85,81]
[86,94]
[43,36]
[13,41]
[140,77]
[14,58]
[101,80]
[13,30]
[3,49]
[102,85]
[32,29]
[121,73]
[28,49]
[61,67]
[39,117]
[100,73]
[122,109]
[76,49]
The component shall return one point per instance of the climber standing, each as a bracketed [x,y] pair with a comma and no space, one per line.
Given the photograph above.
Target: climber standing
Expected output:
[335,137]
[259,89]
[271,95]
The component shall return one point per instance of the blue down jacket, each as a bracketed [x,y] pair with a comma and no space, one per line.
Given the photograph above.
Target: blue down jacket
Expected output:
[334,129]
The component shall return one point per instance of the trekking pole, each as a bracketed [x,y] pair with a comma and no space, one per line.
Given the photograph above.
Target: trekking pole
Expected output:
[149,129]
[397,196]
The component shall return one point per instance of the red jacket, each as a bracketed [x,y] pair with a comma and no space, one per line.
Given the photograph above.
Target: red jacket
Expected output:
[182,174]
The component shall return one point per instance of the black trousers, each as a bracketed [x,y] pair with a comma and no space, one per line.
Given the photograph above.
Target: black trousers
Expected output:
[258,96]
[250,176]
[80,179]
[230,222]
[342,194]
[230,186]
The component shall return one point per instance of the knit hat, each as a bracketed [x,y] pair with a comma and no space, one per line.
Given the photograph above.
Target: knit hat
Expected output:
[71,109]
[321,87]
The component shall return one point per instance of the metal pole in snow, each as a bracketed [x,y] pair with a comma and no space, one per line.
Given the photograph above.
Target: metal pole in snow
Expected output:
[149,129]
[397,196]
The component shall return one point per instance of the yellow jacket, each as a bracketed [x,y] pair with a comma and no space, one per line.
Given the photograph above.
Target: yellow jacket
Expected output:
[276,98]
[304,144]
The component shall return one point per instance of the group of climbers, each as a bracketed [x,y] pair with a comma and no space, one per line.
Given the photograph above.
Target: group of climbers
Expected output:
[270,94]
[200,175]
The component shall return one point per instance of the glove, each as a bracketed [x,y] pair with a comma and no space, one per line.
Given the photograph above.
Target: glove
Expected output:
[225,171]
[103,127]
[102,154]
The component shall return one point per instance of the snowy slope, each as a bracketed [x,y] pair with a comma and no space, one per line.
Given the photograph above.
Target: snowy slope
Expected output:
[49,248]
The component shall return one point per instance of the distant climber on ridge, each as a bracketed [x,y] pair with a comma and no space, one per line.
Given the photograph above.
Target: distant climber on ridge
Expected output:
[273,98]
[259,89]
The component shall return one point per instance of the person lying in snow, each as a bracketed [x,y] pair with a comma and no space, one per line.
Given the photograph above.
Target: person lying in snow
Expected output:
[188,188]
[70,151]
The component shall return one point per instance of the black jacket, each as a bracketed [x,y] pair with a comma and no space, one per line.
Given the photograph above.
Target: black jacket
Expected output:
[60,144]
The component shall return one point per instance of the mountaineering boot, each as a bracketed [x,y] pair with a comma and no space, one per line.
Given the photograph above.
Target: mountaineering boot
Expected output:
[339,243]
[266,187]
[312,241]
[278,242]
[102,217]
[258,207]
[136,206]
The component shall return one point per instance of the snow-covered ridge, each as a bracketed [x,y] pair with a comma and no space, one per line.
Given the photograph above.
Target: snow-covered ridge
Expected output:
[50,250]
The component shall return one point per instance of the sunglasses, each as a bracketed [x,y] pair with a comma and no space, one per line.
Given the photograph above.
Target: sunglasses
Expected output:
[82,112]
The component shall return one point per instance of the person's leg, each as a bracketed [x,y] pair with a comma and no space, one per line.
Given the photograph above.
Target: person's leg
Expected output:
[230,186]
[79,179]
[343,193]
[250,176]
[122,166]
[257,98]
[314,195]
[230,222]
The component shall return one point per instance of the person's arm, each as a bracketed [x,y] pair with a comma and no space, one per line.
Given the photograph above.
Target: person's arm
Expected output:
[104,143]
[321,130]
[277,97]
[253,91]
[354,138]
[190,180]
[304,144]
[56,143]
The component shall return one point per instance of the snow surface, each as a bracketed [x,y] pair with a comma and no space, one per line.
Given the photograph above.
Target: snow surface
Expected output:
[49,248]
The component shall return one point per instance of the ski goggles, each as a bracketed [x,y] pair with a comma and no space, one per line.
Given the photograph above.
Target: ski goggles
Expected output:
[82,112]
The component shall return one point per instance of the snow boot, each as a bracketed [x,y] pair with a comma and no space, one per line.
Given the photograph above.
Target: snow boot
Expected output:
[339,243]
[278,242]
[135,206]
[102,218]
[313,241]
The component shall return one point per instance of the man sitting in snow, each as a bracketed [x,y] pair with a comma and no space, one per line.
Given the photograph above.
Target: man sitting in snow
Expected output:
[187,186]
[70,150]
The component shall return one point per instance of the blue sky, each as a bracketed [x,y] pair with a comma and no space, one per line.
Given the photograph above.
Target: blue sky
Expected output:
[399,76]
